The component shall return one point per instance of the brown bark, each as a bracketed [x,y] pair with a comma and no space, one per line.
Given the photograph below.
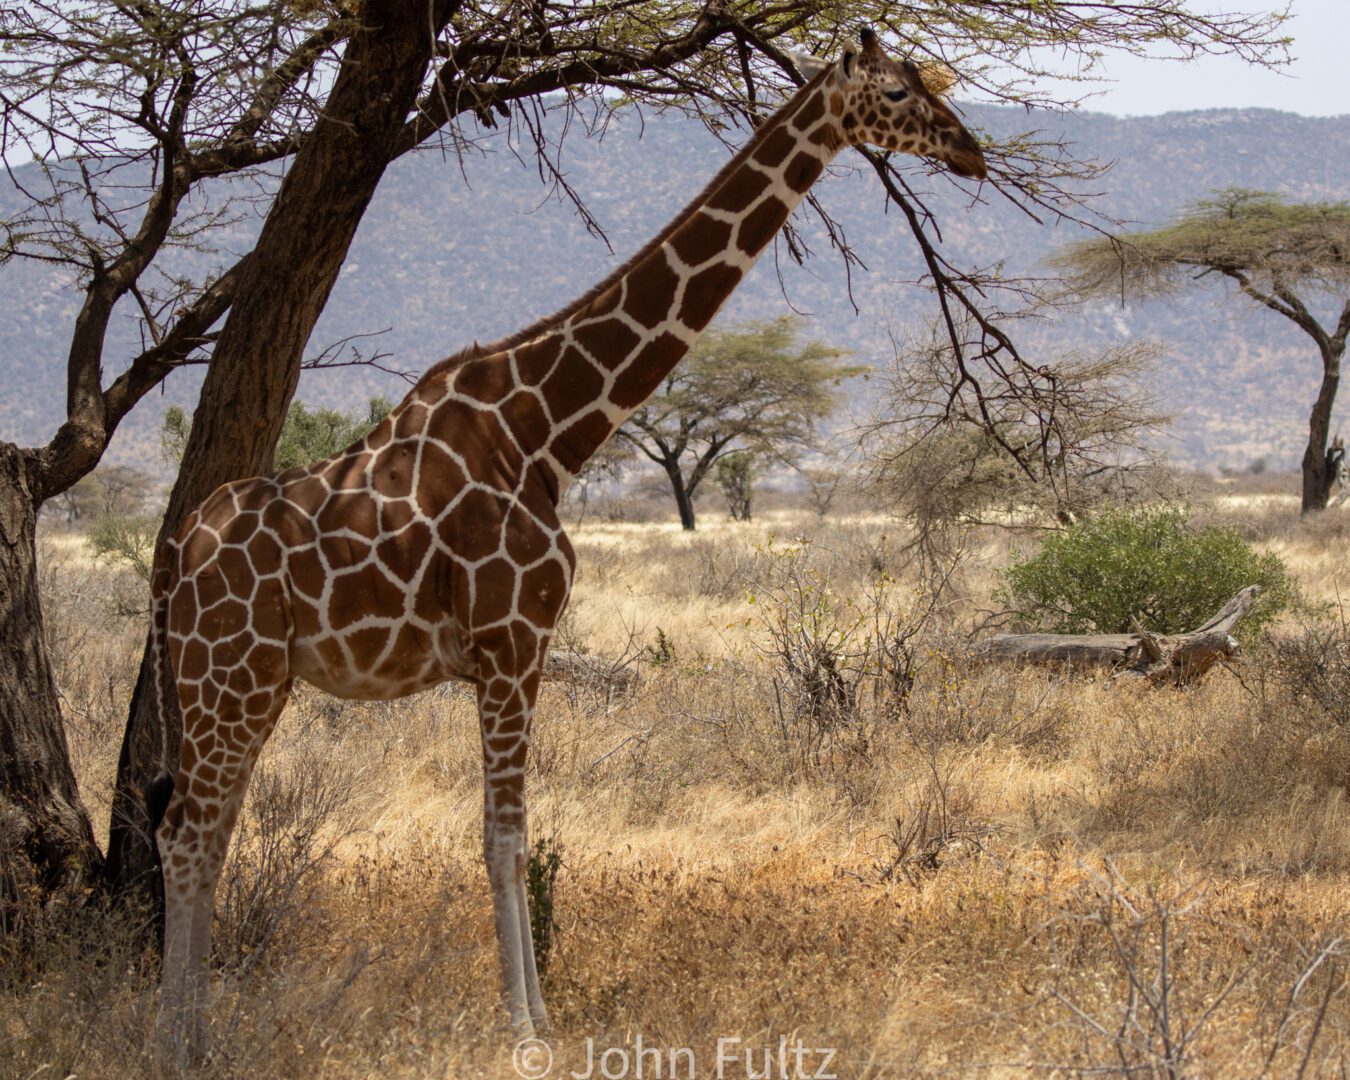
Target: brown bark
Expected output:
[47,846]
[684,499]
[1174,658]
[256,363]
[1318,476]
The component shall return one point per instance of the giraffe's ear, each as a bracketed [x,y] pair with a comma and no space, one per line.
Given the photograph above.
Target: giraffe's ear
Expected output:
[938,78]
[809,66]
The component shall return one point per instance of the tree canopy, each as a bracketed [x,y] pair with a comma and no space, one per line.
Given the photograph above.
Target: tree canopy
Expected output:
[1263,243]
[158,125]
[129,109]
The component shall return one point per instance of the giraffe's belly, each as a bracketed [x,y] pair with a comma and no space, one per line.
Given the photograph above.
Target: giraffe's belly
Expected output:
[379,660]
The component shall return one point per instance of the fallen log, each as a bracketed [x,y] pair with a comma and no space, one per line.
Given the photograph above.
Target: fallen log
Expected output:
[592,670]
[1173,659]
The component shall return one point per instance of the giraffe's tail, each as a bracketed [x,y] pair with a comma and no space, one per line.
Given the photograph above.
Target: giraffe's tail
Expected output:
[159,791]
[157,795]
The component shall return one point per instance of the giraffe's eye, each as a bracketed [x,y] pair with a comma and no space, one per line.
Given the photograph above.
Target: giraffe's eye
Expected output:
[895,95]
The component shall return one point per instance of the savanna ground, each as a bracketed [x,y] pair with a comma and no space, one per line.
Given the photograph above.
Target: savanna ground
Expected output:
[981,871]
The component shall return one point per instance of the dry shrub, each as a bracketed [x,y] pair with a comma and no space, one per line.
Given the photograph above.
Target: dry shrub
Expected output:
[840,661]
[83,1000]
[722,571]
[590,678]
[1147,977]
[1328,529]
[1148,1021]
[95,652]
[1263,520]
[1312,665]
[961,702]
[940,823]
[296,815]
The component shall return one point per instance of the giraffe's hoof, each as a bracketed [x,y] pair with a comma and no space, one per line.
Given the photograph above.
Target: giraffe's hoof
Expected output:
[521,1022]
[183,1039]
[523,1027]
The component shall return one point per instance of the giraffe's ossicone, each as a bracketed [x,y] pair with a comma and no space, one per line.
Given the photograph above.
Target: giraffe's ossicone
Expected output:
[432,549]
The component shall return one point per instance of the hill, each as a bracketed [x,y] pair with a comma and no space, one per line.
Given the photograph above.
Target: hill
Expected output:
[456,249]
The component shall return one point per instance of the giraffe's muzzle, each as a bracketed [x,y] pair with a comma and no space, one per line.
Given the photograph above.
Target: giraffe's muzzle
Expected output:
[965,158]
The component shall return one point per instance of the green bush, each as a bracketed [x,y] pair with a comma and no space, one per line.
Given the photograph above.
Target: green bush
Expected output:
[128,539]
[541,881]
[1092,577]
[307,435]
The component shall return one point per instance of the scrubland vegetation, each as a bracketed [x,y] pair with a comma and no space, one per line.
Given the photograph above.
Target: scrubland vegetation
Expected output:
[810,818]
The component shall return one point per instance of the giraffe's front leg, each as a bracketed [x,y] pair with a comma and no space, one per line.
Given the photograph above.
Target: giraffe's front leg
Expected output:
[506,706]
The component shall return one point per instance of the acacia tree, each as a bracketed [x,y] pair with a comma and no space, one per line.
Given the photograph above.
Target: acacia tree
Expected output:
[1285,256]
[112,489]
[752,391]
[127,109]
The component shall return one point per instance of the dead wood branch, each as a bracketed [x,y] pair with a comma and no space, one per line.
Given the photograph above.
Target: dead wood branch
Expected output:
[1170,659]
[613,675]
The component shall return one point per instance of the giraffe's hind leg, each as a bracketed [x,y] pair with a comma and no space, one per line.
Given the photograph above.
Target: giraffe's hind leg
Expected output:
[504,851]
[534,997]
[506,706]
[219,750]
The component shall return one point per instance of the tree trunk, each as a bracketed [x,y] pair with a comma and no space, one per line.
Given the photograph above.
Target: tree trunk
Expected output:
[684,500]
[1318,478]
[47,847]
[256,363]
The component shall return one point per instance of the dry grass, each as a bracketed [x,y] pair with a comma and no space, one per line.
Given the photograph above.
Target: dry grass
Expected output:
[998,873]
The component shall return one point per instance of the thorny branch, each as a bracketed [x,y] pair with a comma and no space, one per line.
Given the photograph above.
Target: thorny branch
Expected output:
[1034,388]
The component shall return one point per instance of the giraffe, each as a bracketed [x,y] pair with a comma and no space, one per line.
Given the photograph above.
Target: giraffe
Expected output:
[432,549]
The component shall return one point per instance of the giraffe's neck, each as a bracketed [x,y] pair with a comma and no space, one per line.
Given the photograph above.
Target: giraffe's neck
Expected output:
[600,359]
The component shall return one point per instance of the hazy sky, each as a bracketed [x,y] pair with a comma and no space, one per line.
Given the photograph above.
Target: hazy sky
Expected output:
[1317,83]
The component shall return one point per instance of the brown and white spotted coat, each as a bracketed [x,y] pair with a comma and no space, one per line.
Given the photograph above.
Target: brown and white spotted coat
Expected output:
[432,549]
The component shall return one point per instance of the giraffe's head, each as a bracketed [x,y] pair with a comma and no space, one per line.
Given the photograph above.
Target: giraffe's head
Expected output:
[896,105]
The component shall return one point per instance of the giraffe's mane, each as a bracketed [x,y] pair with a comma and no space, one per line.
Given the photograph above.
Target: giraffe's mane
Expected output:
[541,326]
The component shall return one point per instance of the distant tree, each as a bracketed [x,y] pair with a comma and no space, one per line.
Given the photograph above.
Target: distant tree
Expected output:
[752,389]
[736,478]
[605,468]
[110,489]
[1282,255]
[822,485]
[306,435]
